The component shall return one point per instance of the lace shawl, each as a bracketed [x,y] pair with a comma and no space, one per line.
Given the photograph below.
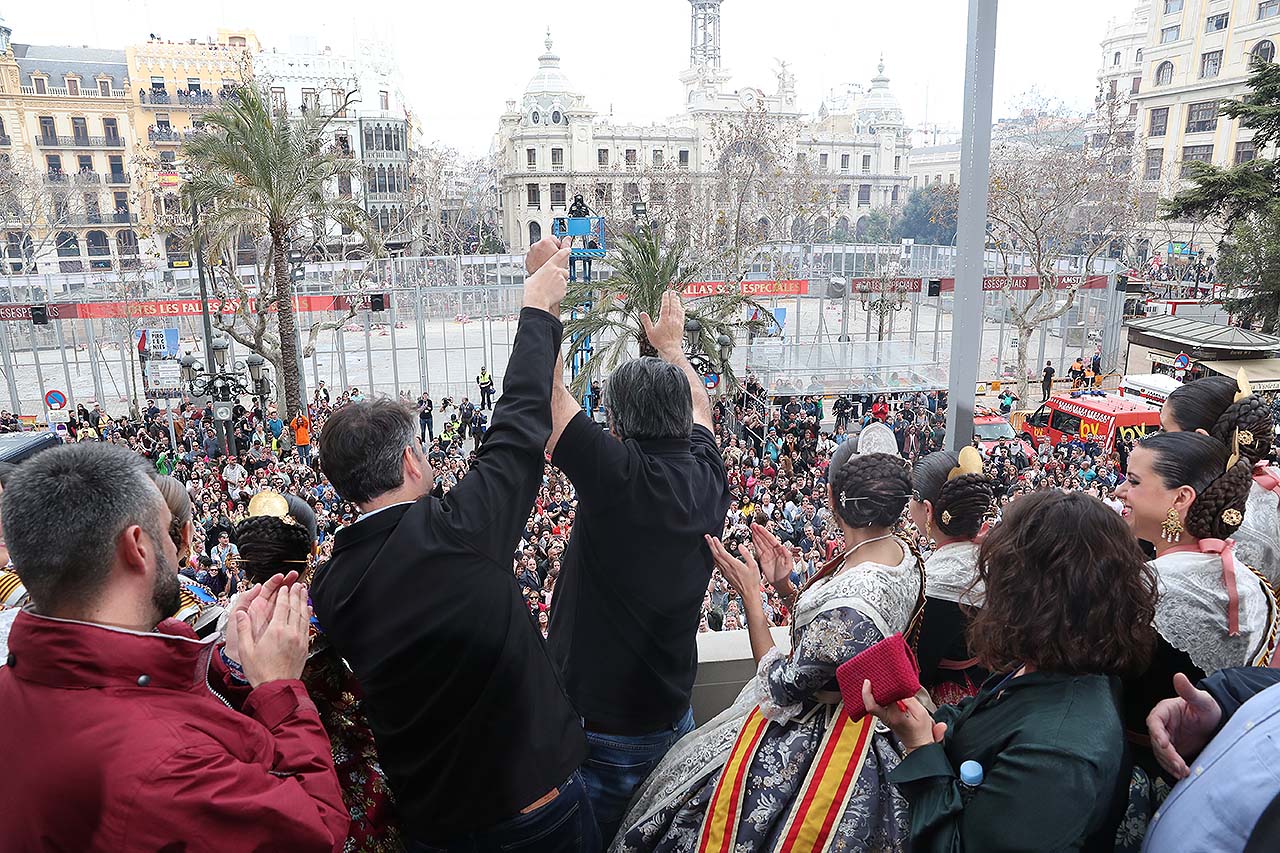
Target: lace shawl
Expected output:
[949,571]
[884,594]
[1258,539]
[1191,613]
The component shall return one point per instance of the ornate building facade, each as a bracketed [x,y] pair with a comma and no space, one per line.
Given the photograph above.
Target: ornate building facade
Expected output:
[551,144]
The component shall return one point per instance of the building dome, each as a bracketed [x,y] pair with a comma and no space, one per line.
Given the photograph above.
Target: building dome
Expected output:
[879,105]
[549,80]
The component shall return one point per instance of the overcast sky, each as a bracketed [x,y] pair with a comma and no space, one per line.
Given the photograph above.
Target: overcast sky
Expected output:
[460,61]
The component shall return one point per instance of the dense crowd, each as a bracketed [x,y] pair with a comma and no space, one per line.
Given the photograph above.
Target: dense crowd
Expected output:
[484,636]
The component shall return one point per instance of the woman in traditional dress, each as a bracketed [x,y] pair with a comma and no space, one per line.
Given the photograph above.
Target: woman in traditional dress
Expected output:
[1228,410]
[279,537]
[1186,494]
[199,605]
[950,500]
[785,768]
[1069,600]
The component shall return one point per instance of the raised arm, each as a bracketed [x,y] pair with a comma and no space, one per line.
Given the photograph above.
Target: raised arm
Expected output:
[564,407]
[667,336]
[488,508]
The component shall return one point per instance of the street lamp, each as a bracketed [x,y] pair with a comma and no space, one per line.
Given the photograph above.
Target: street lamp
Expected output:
[221,346]
[254,362]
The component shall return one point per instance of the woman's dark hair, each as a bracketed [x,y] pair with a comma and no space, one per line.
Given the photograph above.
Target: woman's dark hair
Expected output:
[1210,404]
[179,502]
[1059,600]
[966,498]
[1196,460]
[269,546]
[870,490]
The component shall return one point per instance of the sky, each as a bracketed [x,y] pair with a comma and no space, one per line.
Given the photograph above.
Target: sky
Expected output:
[461,61]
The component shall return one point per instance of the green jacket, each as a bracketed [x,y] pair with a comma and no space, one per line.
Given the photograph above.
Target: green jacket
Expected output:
[1052,750]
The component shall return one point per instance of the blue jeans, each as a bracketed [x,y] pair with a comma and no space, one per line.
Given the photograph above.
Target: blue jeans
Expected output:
[617,765]
[564,825]
[304,453]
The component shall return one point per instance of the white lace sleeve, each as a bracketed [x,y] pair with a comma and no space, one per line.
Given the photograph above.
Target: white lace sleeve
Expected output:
[771,710]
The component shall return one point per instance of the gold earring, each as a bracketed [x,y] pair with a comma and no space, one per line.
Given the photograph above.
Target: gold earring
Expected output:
[1171,527]
[928,531]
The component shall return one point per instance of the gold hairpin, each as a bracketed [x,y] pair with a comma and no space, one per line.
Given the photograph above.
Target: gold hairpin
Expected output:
[970,463]
[1235,450]
[1244,436]
[271,504]
[1232,517]
[1244,389]
[946,516]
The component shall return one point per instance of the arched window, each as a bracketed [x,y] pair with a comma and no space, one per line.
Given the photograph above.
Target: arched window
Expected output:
[1137,56]
[555,117]
[762,228]
[1164,74]
[381,185]
[894,198]
[842,228]
[368,139]
[399,138]
[1115,60]
[535,233]
[98,243]
[1264,50]
[246,251]
[820,229]
[860,230]
[536,117]
[126,243]
[68,245]
[799,230]
[378,143]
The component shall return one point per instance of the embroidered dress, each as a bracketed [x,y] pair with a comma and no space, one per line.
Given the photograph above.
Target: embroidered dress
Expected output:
[836,618]
[947,669]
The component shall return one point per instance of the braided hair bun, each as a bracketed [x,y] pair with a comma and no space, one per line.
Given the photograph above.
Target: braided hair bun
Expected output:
[870,490]
[1249,419]
[269,546]
[1218,511]
[961,503]
[1210,404]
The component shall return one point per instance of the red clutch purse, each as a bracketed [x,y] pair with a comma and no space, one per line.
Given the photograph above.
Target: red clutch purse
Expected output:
[890,667]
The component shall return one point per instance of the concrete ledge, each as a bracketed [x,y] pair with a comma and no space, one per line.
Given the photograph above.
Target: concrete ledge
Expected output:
[725,664]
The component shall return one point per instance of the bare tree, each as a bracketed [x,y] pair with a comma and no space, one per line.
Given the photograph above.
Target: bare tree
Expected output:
[1061,186]
[37,207]
[452,203]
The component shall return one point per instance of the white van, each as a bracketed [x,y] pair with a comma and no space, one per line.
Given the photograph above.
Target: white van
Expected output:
[1152,387]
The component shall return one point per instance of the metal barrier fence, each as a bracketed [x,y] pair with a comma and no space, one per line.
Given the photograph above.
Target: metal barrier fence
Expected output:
[448,316]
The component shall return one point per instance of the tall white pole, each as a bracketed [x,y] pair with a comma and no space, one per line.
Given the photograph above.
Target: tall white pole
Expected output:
[975,174]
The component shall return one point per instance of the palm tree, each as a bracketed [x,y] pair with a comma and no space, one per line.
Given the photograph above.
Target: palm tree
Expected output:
[608,312]
[255,171]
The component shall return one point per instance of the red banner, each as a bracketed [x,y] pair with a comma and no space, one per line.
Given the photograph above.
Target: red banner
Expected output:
[792,287]
[1032,282]
[160,308]
[875,285]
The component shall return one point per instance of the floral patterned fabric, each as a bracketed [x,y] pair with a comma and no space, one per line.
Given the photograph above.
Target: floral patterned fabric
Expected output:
[334,689]
[668,812]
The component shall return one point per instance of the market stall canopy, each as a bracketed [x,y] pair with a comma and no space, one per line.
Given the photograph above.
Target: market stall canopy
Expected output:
[1199,339]
[1264,373]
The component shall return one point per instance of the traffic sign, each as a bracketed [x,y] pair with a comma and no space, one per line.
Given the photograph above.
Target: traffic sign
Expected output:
[711,380]
[1182,361]
[55,399]
[59,416]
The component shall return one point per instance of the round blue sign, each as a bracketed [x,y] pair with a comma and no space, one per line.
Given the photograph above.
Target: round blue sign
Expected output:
[711,380]
[55,399]
[1182,362]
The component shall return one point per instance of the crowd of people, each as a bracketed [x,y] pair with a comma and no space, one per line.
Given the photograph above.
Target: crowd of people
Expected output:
[484,637]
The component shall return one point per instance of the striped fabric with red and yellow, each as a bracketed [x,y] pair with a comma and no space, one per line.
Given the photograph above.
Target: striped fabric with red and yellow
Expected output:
[822,799]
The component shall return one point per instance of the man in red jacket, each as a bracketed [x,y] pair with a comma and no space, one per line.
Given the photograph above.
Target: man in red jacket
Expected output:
[123,731]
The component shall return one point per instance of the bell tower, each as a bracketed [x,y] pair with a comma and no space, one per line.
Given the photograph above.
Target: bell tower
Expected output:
[704,34]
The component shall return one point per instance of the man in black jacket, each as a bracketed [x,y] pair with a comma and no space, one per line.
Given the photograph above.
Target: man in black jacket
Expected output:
[479,742]
[624,619]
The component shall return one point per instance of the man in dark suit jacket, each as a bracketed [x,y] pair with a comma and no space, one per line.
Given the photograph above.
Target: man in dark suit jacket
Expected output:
[479,742]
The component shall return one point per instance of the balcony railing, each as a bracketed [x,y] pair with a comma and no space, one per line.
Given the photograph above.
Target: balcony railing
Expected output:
[87,177]
[118,178]
[56,178]
[386,196]
[103,219]
[61,92]
[49,141]
[182,99]
[166,134]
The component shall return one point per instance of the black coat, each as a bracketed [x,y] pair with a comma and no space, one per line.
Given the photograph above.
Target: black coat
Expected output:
[468,712]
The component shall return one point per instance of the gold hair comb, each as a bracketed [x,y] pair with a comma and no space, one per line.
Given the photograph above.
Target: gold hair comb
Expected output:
[1244,389]
[271,504]
[970,463]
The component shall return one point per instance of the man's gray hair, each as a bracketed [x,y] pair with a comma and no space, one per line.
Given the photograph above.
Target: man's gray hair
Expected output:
[649,398]
[362,447]
[64,511]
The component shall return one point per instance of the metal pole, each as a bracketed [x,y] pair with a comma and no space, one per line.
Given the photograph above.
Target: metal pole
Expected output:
[421,346]
[94,367]
[35,352]
[975,175]
[173,437]
[7,356]
[66,367]
[368,351]
[219,427]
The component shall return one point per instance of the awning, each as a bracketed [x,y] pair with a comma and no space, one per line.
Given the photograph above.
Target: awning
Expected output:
[1264,373]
